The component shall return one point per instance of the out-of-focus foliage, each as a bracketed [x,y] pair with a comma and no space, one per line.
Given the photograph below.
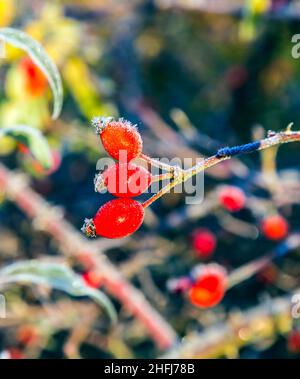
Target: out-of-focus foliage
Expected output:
[216,79]
[55,276]
[40,58]
[34,140]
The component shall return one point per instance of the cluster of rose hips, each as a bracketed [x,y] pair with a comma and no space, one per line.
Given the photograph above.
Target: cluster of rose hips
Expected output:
[122,216]
[206,285]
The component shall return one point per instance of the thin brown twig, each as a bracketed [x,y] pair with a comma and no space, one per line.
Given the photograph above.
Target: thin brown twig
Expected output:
[181,176]
[73,244]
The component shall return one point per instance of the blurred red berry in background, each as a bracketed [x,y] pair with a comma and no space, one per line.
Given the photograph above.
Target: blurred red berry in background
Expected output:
[35,81]
[209,287]
[275,227]
[236,76]
[92,279]
[232,198]
[28,335]
[15,353]
[204,242]
[23,148]
[294,341]
[56,162]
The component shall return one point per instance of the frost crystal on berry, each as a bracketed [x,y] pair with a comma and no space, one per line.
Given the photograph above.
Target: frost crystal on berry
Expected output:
[99,123]
[89,228]
[99,182]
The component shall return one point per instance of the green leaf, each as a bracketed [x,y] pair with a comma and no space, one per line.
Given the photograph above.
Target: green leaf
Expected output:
[56,276]
[37,53]
[34,140]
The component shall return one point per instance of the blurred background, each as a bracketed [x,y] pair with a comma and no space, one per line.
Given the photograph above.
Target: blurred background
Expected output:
[194,75]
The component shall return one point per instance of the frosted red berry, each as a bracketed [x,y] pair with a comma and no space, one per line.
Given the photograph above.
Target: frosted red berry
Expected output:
[293,341]
[204,242]
[275,227]
[116,219]
[92,278]
[124,180]
[120,138]
[209,287]
[35,81]
[232,198]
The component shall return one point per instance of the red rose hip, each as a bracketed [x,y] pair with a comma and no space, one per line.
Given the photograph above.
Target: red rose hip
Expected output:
[116,219]
[204,242]
[209,287]
[124,180]
[120,138]
[232,198]
[275,227]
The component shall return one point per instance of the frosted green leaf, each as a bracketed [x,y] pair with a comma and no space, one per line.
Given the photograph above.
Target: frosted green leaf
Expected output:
[39,56]
[57,276]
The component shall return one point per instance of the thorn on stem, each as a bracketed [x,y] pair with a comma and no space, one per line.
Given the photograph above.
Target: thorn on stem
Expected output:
[289,127]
